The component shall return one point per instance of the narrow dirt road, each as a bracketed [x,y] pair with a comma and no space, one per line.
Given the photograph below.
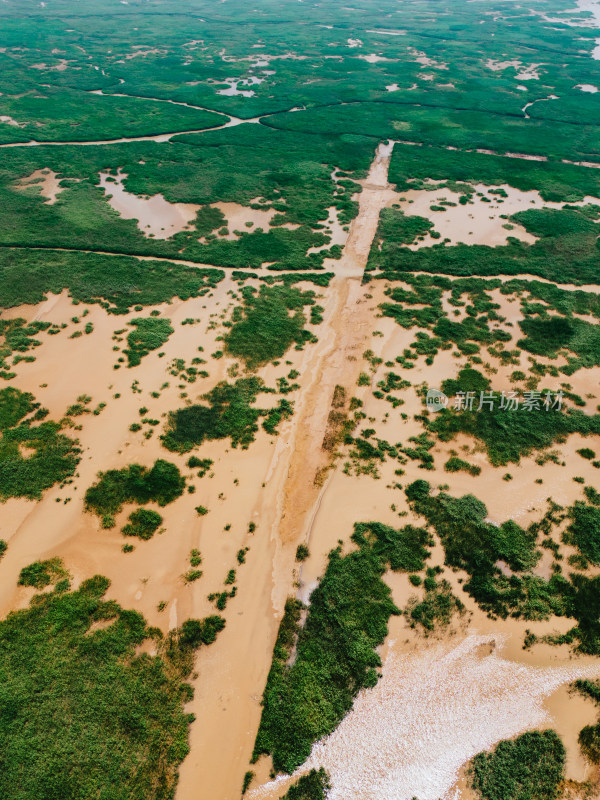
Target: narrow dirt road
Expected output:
[233,672]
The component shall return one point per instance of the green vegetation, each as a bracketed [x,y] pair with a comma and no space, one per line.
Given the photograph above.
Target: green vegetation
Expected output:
[143,523]
[508,434]
[565,250]
[313,786]
[42,573]
[162,483]
[204,463]
[396,229]
[150,333]
[230,413]
[248,776]
[269,322]
[409,168]
[589,689]
[589,736]
[32,457]
[530,767]
[302,552]
[584,530]
[553,335]
[499,560]
[109,744]
[335,652]
[438,605]
[19,336]
[478,546]
[455,464]
[115,282]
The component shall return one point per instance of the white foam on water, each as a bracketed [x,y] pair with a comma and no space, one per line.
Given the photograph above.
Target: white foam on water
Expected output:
[430,713]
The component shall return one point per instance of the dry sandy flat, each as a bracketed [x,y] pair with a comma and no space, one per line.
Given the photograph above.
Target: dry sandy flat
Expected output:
[273,485]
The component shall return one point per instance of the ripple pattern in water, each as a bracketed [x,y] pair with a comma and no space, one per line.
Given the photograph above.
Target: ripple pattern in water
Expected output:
[429,714]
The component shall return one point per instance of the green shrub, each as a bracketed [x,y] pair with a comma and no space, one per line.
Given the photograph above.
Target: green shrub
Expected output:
[335,654]
[302,552]
[42,573]
[507,434]
[313,786]
[150,333]
[123,730]
[32,457]
[530,767]
[230,413]
[143,523]
[584,530]
[162,484]
[455,464]
[270,322]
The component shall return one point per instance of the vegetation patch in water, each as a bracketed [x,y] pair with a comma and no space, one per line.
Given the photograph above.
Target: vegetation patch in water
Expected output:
[230,413]
[150,333]
[162,483]
[310,690]
[32,457]
[530,767]
[83,715]
[268,323]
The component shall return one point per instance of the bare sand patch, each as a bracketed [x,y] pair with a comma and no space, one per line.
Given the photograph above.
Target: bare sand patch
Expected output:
[233,85]
[524,72]
[141,50]
[388,32]
[374,58]
[422,58]
[154,215]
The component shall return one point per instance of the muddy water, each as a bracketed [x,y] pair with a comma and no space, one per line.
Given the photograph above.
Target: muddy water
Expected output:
[234,670]
[272,484]
[154,215]
[243,218]
[479,222]
[432,711]
[375,195]
[46,181]
[487,691]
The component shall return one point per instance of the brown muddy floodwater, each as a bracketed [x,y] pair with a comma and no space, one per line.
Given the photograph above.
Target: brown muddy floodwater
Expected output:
[430,713]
